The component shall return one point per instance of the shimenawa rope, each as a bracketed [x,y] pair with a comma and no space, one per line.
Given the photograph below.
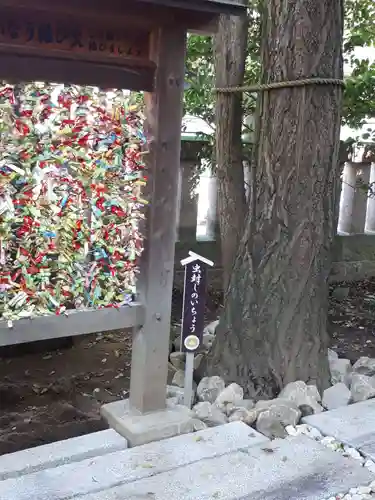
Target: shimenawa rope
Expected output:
[281,85]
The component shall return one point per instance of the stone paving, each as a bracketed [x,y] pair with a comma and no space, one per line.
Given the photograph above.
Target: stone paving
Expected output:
[59,453]
[353,425]
[229,462]
[104,472]
[285,469]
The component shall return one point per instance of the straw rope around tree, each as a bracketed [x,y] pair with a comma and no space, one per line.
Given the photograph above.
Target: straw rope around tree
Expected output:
[280,85]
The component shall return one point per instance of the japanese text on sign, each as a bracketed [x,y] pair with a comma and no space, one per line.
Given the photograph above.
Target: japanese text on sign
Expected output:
[194,296]
[69,37]
[194,305]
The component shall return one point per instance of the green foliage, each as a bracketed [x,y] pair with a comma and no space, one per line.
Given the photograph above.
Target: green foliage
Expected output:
[359,97]
[359,24]
[359,101]
[200,77]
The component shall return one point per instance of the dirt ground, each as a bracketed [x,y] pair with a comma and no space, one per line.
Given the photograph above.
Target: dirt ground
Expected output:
[352,320]
[47,394]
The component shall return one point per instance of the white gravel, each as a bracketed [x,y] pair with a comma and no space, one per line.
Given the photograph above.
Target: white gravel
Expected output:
[365,492]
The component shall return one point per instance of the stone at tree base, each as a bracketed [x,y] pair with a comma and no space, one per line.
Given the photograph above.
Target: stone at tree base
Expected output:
[208,340]
[313,392]
[209,413]
[365,366]
[173,336]
[304,429]
[298,390]
[179,378]
[171,368]
[174,400]
[302,394]
[243,415]
[211,327]
[362,387]
[175,392]
[306,410]
[209,388]
[178,360]
[177,343]
[232,394]
[268,403]
[336,396]
[247,404]
[198,425]
[339,369]
[198,358]
[332,355]
[272,422]
[348,379]
[179,381]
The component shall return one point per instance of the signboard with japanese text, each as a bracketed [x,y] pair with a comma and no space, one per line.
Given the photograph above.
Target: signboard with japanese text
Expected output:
[29,30]
[194,305]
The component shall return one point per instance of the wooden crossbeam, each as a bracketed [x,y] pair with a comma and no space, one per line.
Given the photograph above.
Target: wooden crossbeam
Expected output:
[71,324]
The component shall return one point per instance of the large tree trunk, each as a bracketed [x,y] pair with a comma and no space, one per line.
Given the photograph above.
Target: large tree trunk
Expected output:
[230,54]
[273,328]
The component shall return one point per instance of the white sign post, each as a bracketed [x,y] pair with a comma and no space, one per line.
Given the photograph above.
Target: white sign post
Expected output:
[195,288]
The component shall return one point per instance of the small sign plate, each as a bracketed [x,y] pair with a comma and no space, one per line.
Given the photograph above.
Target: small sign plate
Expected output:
[194,305]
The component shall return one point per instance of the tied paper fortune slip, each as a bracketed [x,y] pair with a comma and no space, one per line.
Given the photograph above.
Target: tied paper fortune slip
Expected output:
[71,177]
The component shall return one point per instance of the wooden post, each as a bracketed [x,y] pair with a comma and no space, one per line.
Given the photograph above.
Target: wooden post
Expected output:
[179,203]
[164,115]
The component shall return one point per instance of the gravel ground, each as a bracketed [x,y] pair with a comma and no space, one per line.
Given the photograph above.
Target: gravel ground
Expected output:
[50,394]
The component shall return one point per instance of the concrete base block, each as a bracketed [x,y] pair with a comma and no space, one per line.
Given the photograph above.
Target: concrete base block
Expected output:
[140,429]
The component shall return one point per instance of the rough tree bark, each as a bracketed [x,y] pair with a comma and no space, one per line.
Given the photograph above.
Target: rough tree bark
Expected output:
[273,328]
[230,54]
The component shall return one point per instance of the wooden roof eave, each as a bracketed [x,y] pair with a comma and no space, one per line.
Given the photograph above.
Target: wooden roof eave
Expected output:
[194,15]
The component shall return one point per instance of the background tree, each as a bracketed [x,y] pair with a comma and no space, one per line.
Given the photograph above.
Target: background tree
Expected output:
[229,59]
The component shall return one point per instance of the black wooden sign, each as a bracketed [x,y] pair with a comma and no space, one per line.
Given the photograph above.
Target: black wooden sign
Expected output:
[194,305]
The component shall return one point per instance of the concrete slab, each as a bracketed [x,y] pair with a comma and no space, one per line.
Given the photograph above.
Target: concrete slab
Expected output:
[353,425]
[98,474]
[60,452]
[296,468]
[369,449]
[139,429]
